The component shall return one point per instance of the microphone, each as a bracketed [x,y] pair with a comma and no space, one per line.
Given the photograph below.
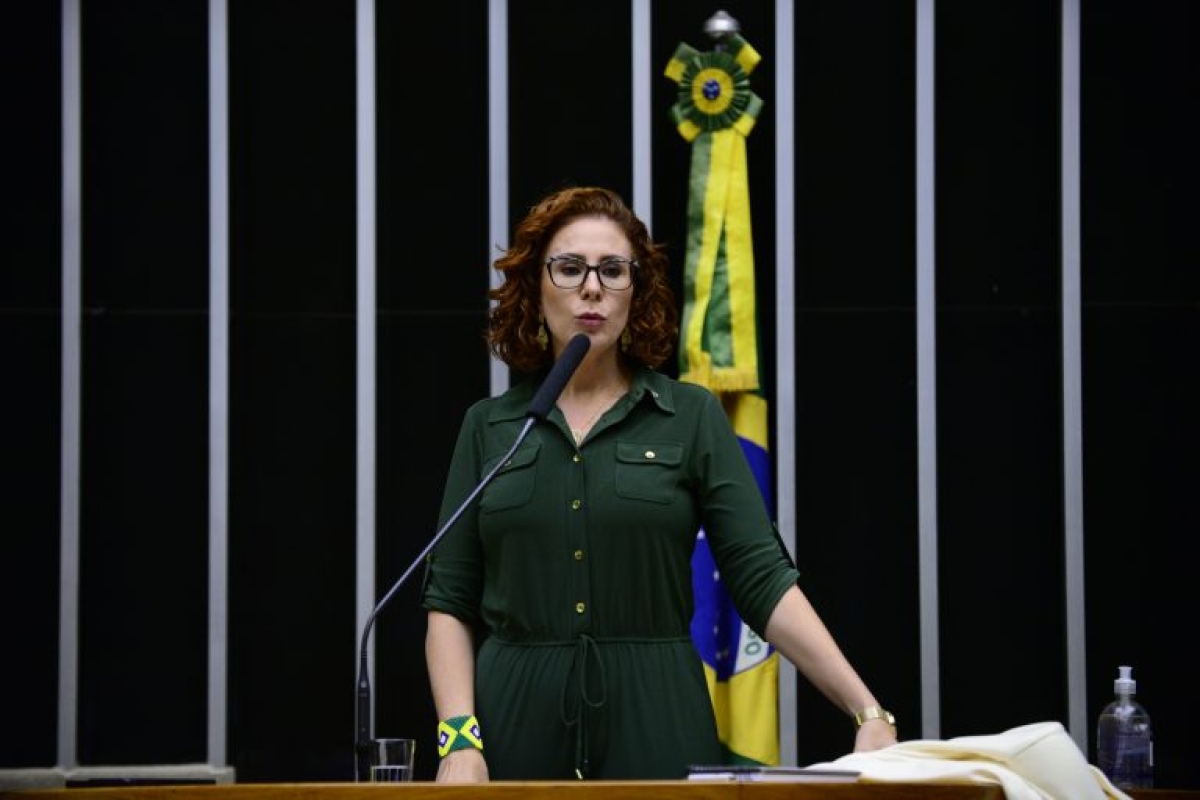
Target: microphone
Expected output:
[543,400]
[560,373]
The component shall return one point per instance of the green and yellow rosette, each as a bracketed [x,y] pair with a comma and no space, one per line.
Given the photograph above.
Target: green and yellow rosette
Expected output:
[716,111]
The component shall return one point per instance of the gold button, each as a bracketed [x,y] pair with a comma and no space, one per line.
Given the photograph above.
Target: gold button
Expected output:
[579,607]
[579,555]
[577,458]
[650,454]
[575,504]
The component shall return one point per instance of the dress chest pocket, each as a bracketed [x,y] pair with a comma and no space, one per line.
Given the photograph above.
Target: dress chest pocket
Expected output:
[648,470]
[512,486]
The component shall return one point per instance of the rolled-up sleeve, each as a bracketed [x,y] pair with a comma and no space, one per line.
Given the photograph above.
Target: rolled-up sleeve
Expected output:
[753,565]
[454,570]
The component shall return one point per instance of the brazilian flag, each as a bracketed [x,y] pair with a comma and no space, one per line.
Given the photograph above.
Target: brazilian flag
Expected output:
[715,112]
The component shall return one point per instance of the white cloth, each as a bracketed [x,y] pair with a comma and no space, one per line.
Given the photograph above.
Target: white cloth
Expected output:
[1032,762]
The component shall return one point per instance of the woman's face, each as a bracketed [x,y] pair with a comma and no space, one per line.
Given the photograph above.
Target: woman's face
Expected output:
[591,308]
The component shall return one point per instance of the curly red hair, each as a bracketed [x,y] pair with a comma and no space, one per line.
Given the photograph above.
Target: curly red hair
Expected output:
[514,321]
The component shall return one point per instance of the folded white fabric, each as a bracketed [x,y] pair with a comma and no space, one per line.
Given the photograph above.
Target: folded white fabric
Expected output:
[1032,762]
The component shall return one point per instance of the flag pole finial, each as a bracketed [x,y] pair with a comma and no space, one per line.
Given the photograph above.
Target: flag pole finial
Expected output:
[720,25]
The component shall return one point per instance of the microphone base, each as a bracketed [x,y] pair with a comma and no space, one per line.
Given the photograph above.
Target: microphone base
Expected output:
[362,762]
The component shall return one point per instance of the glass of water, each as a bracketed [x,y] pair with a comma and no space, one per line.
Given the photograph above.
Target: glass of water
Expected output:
[392,760]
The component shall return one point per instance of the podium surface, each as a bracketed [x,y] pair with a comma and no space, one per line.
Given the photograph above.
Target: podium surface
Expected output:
[548,790]
[519,790]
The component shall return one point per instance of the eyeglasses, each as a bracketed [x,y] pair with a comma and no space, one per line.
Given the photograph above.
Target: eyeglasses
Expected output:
[570,272]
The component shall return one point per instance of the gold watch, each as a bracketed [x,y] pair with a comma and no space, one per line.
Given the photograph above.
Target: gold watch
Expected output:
[874,712]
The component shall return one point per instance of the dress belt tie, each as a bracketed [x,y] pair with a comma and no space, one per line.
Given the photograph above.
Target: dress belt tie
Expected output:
[574,705]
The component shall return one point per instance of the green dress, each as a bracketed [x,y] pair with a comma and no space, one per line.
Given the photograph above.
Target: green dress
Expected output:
[574,564]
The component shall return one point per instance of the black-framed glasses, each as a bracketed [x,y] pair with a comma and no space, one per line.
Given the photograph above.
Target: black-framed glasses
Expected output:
[570,272]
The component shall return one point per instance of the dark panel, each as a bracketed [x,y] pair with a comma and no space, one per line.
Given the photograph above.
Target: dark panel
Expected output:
[145,139]
[434,254]
[143,593]
[423,394]
[143,505]
[856,510]
[292,387]
[855,354]
[292,141]
[30,82]
[1141,333]
[569,95]
[1000,513]
[291,572]
[855,139]
[1000,565]
[997,170]
[434,262]
[1140,161]
[30,350]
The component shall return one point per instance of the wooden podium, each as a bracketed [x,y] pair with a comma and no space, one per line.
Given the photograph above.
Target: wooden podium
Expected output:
[541,790]
[589,790]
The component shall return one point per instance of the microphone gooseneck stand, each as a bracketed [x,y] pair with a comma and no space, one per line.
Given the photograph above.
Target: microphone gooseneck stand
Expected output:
[364,723]
[539,407]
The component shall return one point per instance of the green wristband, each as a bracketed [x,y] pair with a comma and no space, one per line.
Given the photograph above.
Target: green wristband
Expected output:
[458,733]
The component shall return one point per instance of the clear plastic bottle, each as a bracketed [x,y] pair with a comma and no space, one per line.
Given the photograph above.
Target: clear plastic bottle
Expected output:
[1124,740]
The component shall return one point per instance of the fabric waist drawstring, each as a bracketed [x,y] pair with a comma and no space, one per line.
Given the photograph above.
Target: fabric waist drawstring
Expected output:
[584,687]
[575,704]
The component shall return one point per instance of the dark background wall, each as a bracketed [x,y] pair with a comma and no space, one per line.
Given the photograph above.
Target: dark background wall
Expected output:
[292,631]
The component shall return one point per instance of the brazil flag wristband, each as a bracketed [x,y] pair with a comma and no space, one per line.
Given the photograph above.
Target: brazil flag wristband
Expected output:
[458,733]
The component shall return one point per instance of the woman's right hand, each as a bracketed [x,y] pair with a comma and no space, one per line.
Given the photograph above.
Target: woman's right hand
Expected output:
[463,766]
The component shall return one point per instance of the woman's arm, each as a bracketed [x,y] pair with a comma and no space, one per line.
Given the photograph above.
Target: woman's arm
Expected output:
[450,656]
[796,631]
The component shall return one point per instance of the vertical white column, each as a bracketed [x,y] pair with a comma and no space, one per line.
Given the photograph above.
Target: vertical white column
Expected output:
[927,375]
[498,232]
[497,154]
[1071,378]
[785,332]
[72,302]
[218,377]
[643,117]
[365,325]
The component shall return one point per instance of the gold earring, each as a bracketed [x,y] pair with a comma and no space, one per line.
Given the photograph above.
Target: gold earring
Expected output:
[543,339]
[626,338]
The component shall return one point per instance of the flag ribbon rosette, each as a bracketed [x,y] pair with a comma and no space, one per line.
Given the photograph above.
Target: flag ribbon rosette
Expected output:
[715,112]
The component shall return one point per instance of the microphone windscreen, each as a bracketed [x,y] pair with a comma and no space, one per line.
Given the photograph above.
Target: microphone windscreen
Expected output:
[547,394]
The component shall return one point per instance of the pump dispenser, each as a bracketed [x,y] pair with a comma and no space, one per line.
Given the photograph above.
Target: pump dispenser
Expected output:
[1124,741]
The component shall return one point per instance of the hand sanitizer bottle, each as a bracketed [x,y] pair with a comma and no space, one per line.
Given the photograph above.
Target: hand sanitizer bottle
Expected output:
[1124,742]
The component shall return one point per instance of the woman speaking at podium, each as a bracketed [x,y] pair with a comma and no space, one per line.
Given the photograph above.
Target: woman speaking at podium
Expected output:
[560,603]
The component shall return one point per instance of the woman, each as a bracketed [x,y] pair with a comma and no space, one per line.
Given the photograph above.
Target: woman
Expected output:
[560,603]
